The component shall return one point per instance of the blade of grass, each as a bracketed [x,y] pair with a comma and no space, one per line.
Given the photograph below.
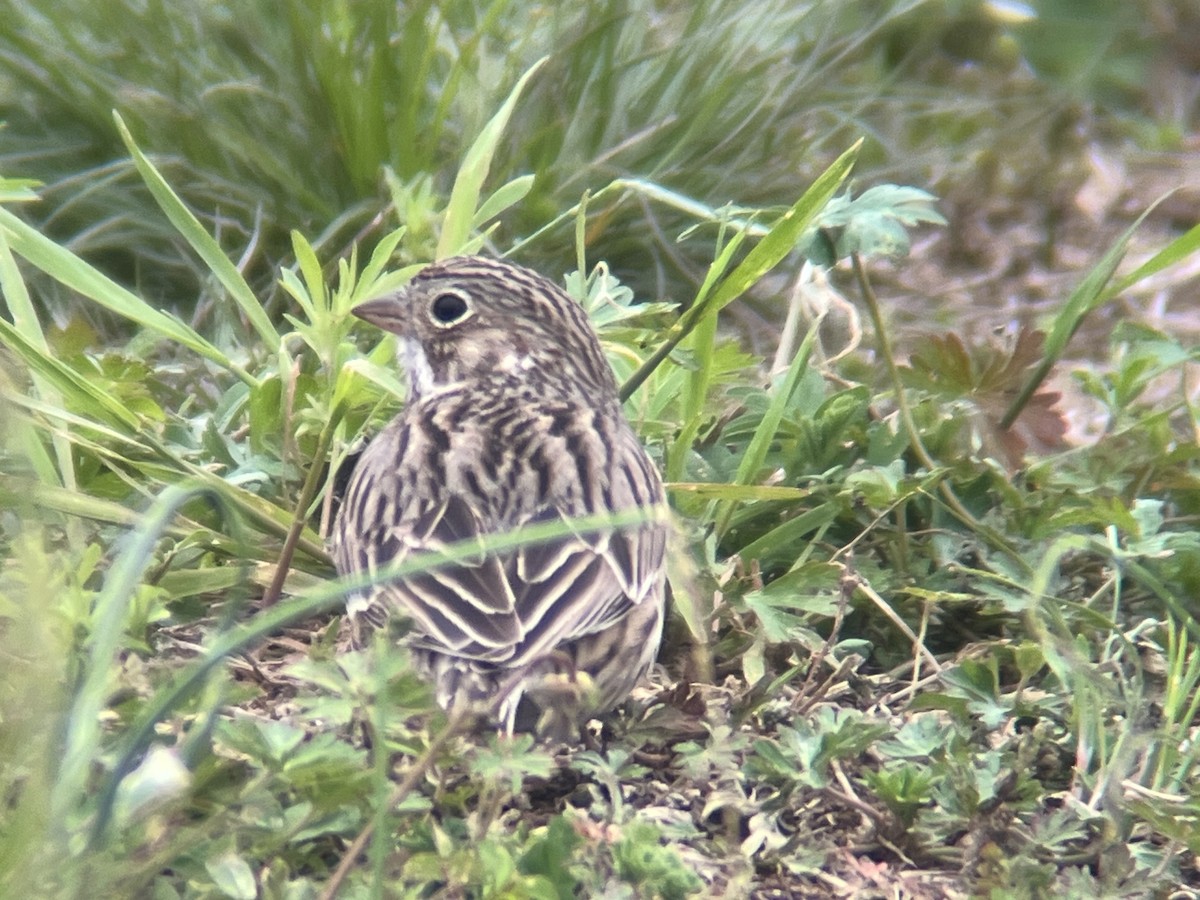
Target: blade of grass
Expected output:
[1094,291]
[760,444]
[726,491]
[505,196]
[164,466]
[25,321]
[83,724]
[201,241]
[66,380]
[766,254]
[64,266]
[1176,251]
[791,532]
[464,196]
[697,380]
[72,503]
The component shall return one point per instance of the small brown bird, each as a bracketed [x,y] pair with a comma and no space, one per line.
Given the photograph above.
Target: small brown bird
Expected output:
[512,418]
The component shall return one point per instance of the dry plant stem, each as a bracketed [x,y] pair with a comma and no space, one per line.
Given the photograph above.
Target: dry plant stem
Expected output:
[634,381]
[916,673]
[914,438]
[918,646]
[808,698]
[791,327]
[869,813]
[459,717]
[311,485]
[290,445]
[840,775]
[845,667]
[843,888]
[902,556]
[909,691]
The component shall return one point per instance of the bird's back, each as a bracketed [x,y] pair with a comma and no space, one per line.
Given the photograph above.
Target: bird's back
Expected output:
[513,422]
[436,477]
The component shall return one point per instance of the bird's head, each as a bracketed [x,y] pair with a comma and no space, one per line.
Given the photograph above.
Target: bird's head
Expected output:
[474,319]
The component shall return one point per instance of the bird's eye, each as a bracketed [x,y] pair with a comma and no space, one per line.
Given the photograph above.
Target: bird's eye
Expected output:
[449,307]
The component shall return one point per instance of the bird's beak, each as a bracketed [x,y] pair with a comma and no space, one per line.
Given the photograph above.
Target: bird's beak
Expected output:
[383,312]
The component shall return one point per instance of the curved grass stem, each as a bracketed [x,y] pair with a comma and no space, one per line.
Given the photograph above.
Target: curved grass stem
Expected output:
[308,493]
[953,504]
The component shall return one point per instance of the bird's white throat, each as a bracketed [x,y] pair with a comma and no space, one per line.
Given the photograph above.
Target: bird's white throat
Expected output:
[416,364]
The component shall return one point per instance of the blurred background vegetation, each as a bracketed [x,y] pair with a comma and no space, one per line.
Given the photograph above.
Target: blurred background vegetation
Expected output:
[340,119]
[918,641]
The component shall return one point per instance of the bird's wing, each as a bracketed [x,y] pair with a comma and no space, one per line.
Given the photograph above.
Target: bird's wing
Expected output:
[583,582]
[514,607]
[465,607]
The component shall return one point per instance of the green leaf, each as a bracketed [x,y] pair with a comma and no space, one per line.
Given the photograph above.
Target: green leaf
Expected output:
[67,268]
[505,196]
[200,240]
[697,380]
[232,876]
[550,857]
[462,209]
[873,224]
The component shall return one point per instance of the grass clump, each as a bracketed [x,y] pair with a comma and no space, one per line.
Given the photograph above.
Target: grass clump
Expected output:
[918,638]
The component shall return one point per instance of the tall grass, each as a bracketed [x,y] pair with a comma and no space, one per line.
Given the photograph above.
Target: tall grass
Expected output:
[903,640]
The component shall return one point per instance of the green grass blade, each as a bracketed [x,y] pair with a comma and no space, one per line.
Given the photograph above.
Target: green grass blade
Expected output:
[64,266]
[714,490]
[760,444]
[201,241]
[790,533]
[1176,251]
[504,197]
[25,321]
[784,235]
[1085,299]
[697,381]
[766,254]
[82,734]
[66,380]
[464,196]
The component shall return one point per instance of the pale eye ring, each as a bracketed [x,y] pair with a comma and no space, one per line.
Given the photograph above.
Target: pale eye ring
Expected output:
[449,307]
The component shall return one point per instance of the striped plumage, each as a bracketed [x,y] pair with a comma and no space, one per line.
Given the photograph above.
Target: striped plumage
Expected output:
[513,418]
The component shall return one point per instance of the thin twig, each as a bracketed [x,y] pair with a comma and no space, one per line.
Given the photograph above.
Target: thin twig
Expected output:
[312,484]
[895,619]
[955,506]
[460,715]
[807,698]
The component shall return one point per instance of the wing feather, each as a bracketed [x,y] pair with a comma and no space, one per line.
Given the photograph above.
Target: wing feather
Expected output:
[513,608]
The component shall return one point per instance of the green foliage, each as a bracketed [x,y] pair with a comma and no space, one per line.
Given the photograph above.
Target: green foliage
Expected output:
[916,632]
[654,870]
